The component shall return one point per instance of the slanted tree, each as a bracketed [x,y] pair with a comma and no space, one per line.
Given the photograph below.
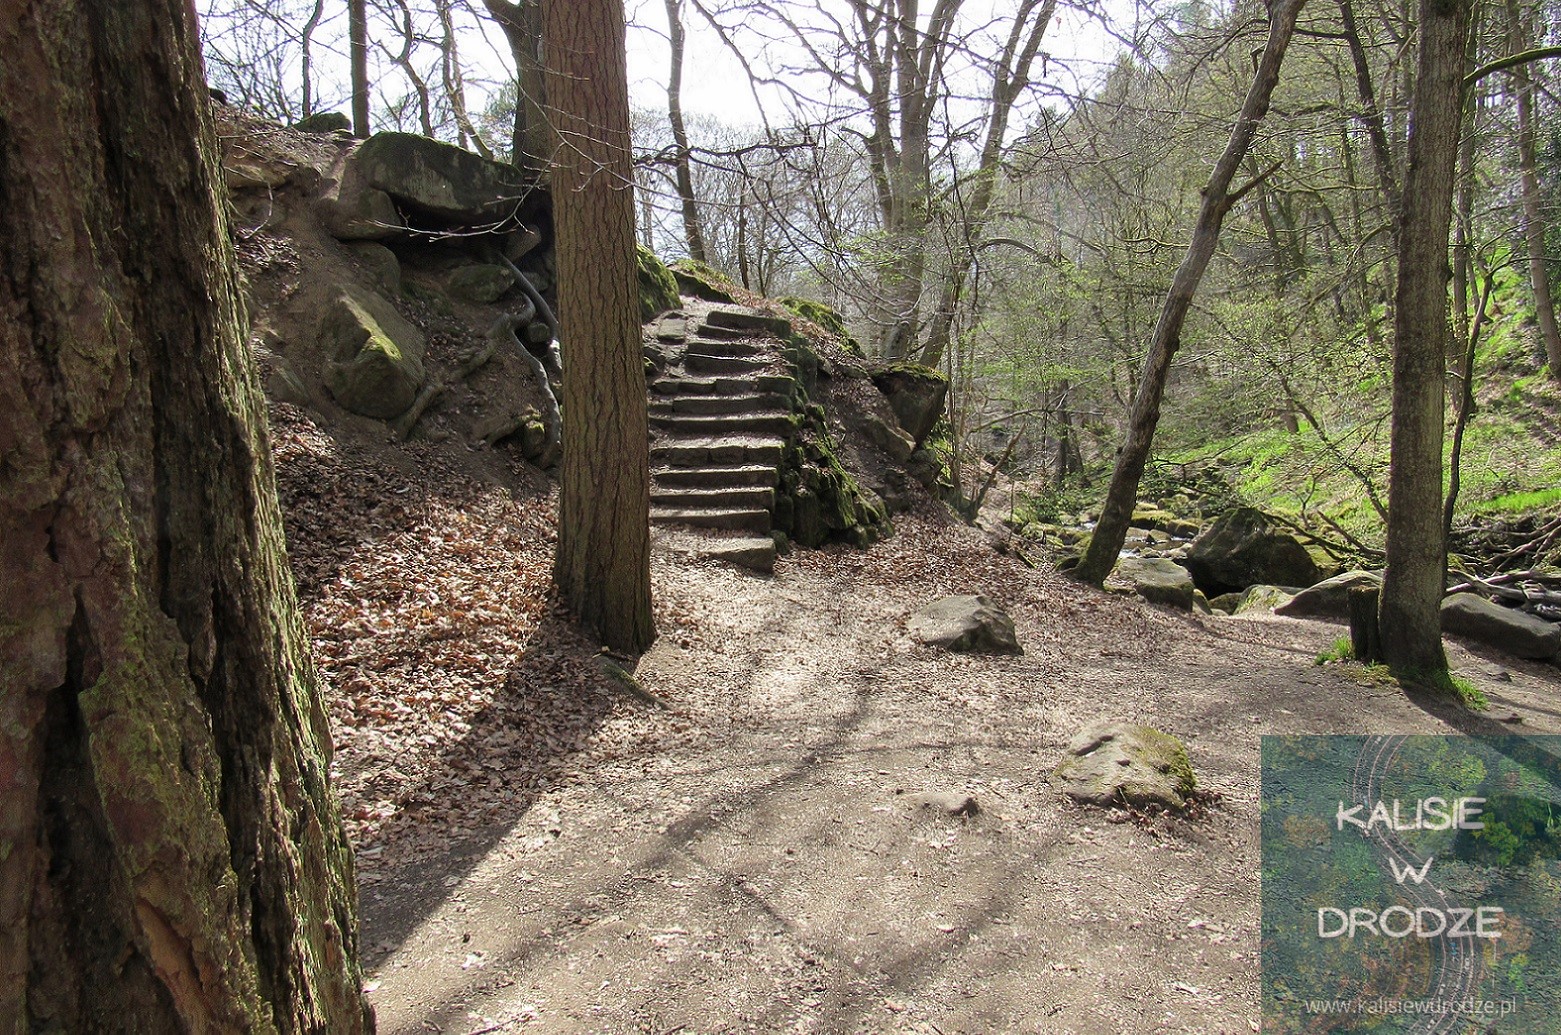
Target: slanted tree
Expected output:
[603,562]
[1412,586]
[171,856]
[1218,199]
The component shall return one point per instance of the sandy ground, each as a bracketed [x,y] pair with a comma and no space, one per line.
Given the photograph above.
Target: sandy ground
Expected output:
[752,858]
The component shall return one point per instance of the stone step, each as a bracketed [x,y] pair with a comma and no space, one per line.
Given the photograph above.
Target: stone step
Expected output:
[706,424]
[736,519]
[748,402]
[709,347]
[722,364]
[756,554]
[743,497]
[718,450]
[715,477]
[741,318]
[781,384]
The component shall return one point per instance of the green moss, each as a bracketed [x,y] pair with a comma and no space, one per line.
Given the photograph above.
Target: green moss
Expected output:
[703,281]
[658,289]
[826,317]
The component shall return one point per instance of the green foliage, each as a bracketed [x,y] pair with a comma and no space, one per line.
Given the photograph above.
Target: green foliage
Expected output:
[1341,650]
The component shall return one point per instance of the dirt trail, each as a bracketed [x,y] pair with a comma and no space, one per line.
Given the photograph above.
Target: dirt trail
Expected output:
[752,861]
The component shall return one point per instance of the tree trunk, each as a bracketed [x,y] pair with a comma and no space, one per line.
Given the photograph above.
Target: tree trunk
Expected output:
[603,562]
[1412,587]
[358,48]
[1111,531]
[684,176]
[521,22]
[171,856]
[1533,214]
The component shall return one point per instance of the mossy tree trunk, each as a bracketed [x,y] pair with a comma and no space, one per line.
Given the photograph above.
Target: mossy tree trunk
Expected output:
[603,562]
[171,857]
[1412,586]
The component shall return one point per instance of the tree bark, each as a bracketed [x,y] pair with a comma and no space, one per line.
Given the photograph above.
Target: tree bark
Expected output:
[358,49]
[1413,585]
[693,234]
[1533,213]
[521,22]
[1111,531]
[171,856]
[603,562]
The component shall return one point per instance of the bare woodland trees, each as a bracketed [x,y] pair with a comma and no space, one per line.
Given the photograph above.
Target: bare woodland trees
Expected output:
[173,859]
[603,560]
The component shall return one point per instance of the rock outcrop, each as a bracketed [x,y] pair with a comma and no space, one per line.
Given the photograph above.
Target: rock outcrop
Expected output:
[1158,581]
[1245,547]
[916,394]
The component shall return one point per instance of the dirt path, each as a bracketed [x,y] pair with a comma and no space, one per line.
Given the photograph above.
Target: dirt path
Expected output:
[752,860]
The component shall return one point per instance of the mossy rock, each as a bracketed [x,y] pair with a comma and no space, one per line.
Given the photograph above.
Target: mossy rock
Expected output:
[818,500]
[1127,764]
[1153,518]
[826,317]
[702,281]
[658,289]
[376,357]
[916,394]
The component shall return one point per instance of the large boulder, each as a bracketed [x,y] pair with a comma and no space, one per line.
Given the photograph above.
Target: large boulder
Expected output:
[1127,764]
[375,365]
[1511,632]
[701,281]
[916,394]
[965,623]
[1159,581]
[1260,599]
[1330,598]
[1245,547]
[437,179]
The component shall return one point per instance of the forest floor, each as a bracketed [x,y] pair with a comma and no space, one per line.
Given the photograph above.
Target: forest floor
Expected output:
[539,851]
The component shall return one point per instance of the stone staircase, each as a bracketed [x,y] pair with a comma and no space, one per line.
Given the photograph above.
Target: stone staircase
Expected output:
[719,417]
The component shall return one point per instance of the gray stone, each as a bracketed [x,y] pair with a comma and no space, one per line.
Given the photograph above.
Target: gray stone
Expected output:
[1261,598]
[892,441]
[436,178]
[965,623]
[1158,581]
[1117,764]
[917,395]
[1513,632]
[381,263]
[480,283]
[1330,598]
[1226,602]
[376,357]
[324,122]
[1245,547]
[359,213]
[945,803]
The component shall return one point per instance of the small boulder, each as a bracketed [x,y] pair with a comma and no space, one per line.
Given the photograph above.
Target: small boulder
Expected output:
[891,440]
[965,623]
[1512,632]
[916,394]
[1330,598]
[376,357]
[1245,547]
[381,265]
[1158,581]
[1261,598]
[1116,764]
[946,803]
[324,122]
[480,283]
[356,212]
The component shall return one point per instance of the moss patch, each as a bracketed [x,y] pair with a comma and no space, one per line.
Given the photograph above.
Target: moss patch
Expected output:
[658,289]
[826,317]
